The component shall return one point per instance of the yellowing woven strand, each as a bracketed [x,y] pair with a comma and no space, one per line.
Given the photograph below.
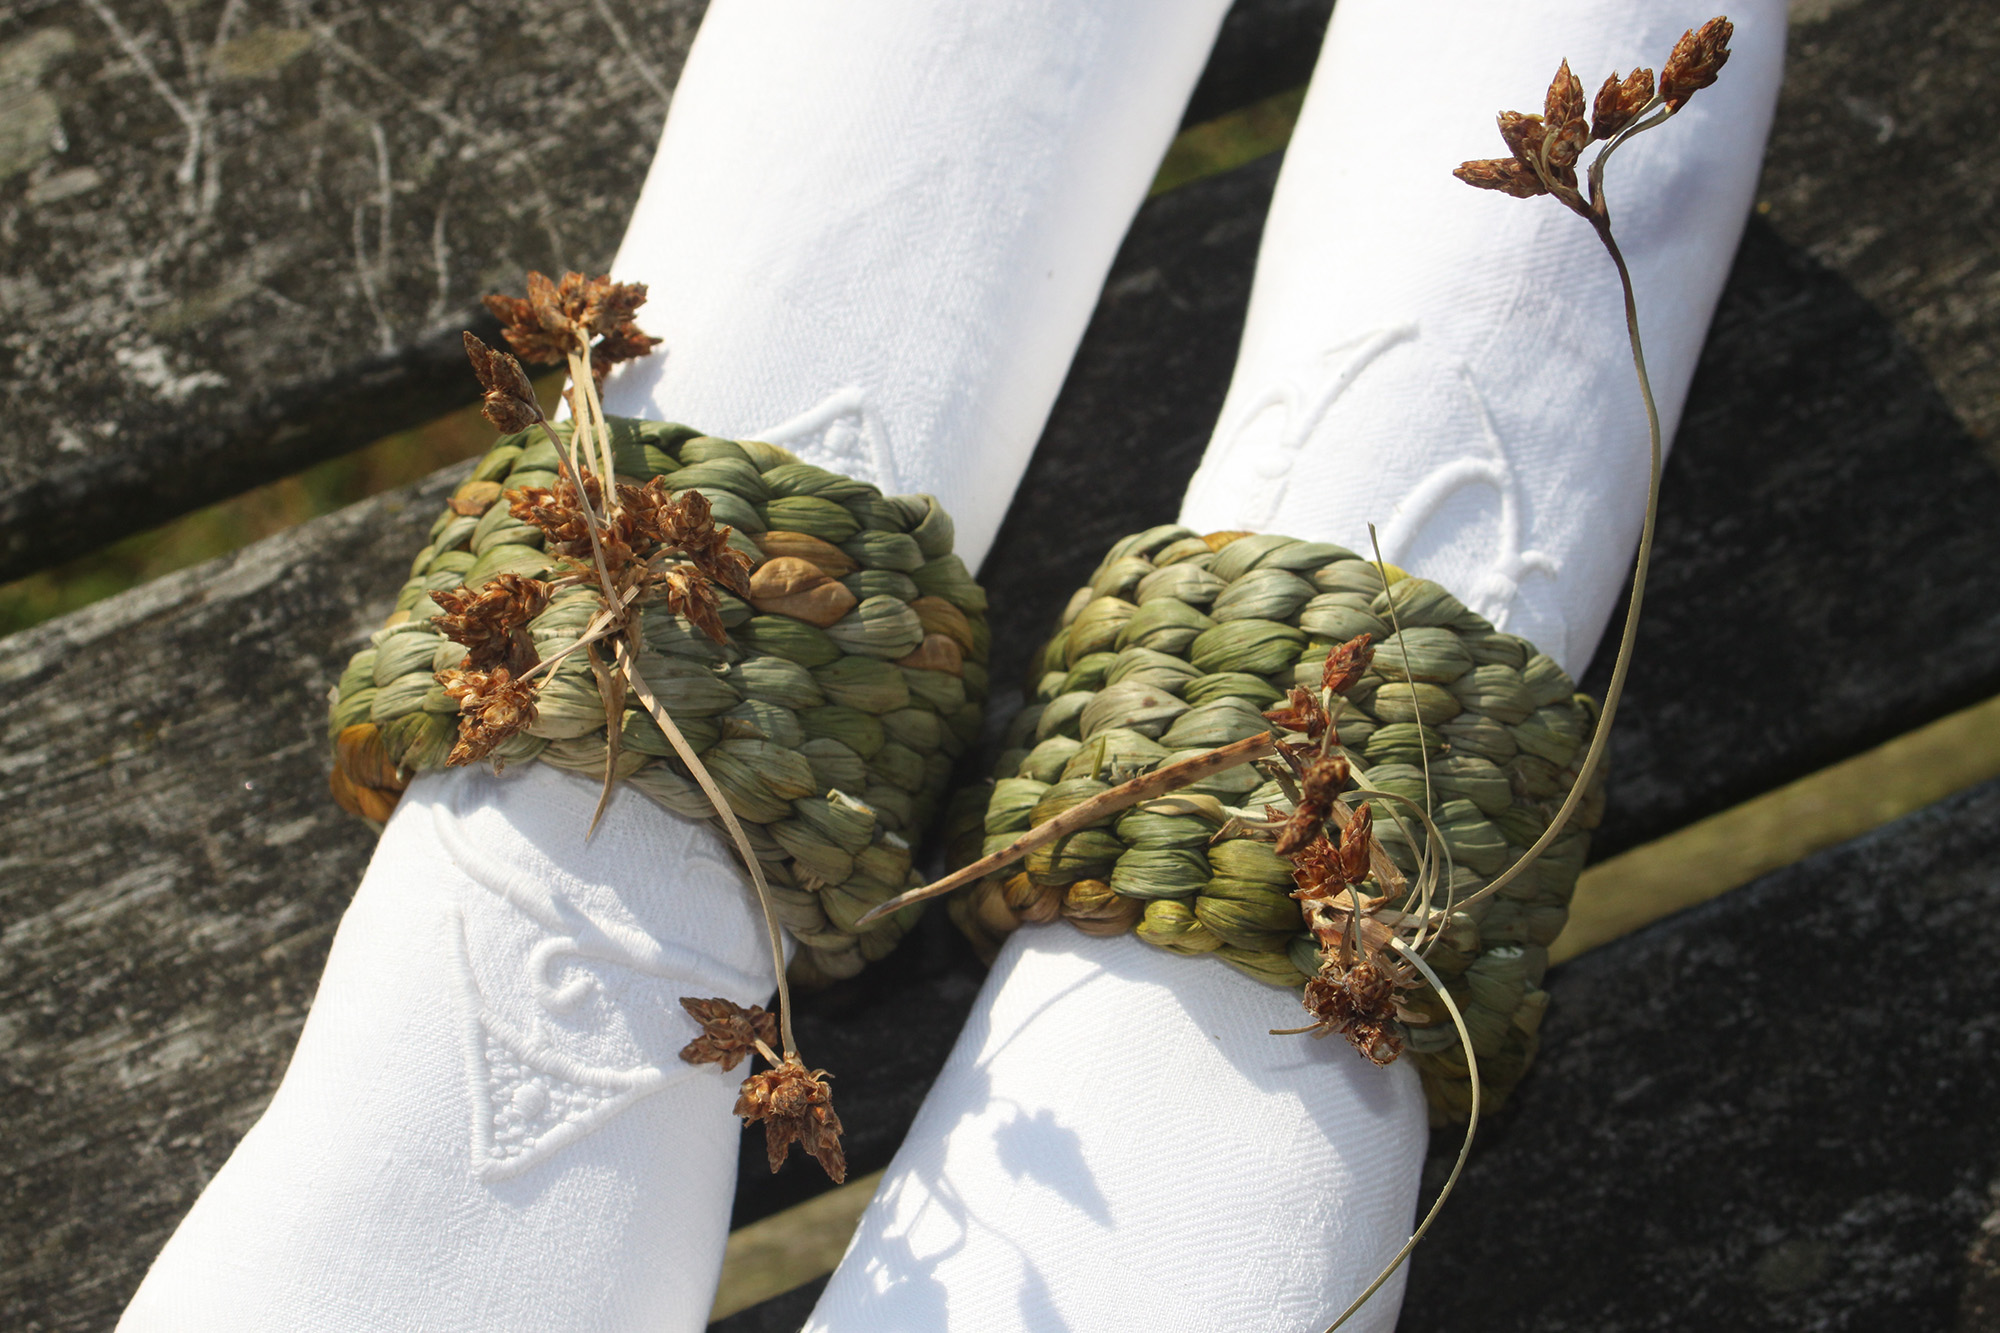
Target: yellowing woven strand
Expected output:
[852,679]
[1176,646]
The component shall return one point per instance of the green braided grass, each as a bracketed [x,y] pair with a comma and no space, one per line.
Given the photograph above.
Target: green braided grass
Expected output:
[1175,647]
[832,756]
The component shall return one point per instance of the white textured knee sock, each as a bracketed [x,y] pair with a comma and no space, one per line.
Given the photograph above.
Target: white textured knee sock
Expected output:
[874,233]
[485,1125]
[875,229]
[1451,364]
[1115,1142]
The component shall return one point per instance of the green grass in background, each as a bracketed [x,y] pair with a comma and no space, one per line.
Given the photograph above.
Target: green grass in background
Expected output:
[1218,145]
[395,460]
[1202,150]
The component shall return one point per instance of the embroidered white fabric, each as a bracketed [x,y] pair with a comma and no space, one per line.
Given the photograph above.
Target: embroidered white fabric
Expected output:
[1114,1142]
[485,1125]
[896,292]
[1451,364]
[874,233]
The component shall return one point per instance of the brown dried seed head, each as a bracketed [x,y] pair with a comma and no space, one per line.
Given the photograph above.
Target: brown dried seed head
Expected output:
[795,1107]
[1565,146]
[687,525]
[1324,779]
[558,512]
[1504,174]
[1301,711]
[557,318]
[1351,863]
[690,594]
[550,304]
[1359,1004]
[1563,107]
[524,332]
[1315,869]
[492,706]
[509,402]
[1324,776]
[1523,134]
[1697,58]
[491,621]
[729,1032]
[1346,663]
[1619,101]
[625,343]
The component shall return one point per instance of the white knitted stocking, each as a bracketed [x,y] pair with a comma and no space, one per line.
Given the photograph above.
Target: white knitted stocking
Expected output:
[874,232]
[1115,1142]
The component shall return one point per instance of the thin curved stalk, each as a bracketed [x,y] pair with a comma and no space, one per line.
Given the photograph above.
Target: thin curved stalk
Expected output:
[628,663]
[1622,666]
[1464,1148]
[1142,788]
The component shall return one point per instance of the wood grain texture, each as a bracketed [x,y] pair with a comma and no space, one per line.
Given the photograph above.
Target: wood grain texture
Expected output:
[171,871]
[172,874]
[1885,167]
[241,236]
[249,233]
[1774,1112]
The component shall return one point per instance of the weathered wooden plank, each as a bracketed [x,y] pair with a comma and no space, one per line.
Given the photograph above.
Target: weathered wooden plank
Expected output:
[239,238]
[1885,166]
[242,237]
[1773,1112]
[164,922]
[1265,46]
[172,874]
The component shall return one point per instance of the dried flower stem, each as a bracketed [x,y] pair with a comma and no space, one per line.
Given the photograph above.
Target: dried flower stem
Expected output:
[1429,875]
[1597,212]
[1142,788]
[556,323]
[626,648]
[1464,1148]
[590,433]
[1545,150]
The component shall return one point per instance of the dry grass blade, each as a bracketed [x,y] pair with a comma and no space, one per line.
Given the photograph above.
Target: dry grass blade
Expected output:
[1703,52]
[1464,1148]
[1145,787]
[628,664]
[611,689]
[1428,873]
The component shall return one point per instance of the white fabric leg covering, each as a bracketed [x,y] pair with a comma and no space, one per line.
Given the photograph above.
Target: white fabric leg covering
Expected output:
[485,1125]
[874,232]
[897,292]
[1451,364]
[1115,1143]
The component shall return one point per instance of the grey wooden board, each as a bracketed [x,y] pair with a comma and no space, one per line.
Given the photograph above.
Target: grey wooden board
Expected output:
[164,923]
[237,245]
[233,248]
[173,868]
[1773,1112]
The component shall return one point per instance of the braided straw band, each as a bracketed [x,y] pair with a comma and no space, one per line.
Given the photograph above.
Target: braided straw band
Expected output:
[1176,647]
[852,678]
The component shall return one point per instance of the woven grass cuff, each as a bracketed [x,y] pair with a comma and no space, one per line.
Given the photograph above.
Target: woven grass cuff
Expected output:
[850,680]
[1178,645]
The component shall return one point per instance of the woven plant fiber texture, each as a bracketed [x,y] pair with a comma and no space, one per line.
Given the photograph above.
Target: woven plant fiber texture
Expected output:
[1176,646]
[851,678]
